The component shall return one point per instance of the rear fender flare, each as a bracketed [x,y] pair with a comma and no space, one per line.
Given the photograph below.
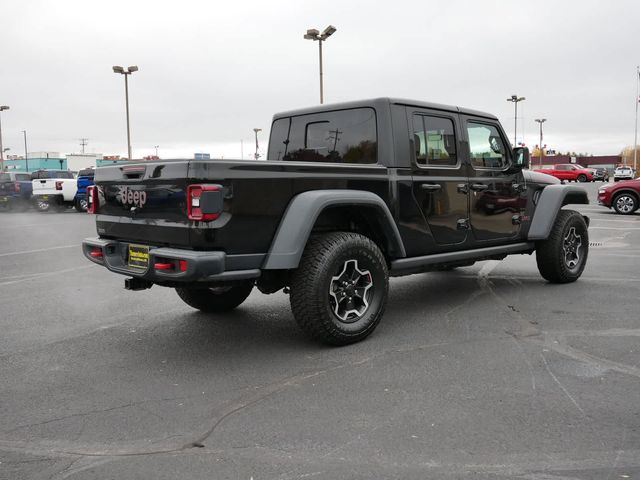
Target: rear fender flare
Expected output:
[552,199]
[301,215]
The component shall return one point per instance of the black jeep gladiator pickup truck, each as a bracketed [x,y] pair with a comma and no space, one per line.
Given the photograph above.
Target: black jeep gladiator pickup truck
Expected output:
[350,195]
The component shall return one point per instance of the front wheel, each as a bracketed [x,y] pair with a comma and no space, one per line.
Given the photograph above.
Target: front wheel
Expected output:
[582,178]
[625,203]
[215,299]
[339,290]
[561,258]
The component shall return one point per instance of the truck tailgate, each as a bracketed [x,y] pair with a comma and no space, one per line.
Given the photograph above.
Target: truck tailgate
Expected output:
[144,202]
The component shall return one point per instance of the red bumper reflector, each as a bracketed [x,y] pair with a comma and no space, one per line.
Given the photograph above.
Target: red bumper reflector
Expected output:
[183,265]
[164,266]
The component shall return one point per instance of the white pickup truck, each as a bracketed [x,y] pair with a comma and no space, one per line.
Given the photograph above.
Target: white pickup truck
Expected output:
[53,188]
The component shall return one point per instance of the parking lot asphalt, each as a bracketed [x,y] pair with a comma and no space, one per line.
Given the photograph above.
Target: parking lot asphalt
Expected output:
[484,372]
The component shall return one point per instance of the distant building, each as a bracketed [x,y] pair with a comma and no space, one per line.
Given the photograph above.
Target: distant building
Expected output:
[79,161]
[201,156]
[37,161]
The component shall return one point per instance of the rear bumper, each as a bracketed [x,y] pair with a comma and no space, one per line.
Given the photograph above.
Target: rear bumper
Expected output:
[201,267]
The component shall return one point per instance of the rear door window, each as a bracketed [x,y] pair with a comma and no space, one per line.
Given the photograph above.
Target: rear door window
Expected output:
[343,136]
[434,141]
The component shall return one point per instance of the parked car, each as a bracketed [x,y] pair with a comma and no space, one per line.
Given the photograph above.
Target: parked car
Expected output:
[569,172]
[601,174]
[53,188]
[623,173]
[623,197]
[330,218]
[15,190]
[84,180]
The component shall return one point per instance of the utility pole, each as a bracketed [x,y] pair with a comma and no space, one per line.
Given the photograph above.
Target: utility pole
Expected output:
[256,130]
[515,99]
[335,136]
[2,109]
[540,150]
[26,158]
[83,143]
[315,35]
[242,149]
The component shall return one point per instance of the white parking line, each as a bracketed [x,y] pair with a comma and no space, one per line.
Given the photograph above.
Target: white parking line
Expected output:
[613,228]
[25,252]
[616,220]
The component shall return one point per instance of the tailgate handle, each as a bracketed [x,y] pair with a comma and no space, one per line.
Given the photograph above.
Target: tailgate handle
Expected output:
[133,172]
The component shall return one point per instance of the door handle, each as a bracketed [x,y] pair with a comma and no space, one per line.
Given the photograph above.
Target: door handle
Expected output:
[479,187]
[431,187]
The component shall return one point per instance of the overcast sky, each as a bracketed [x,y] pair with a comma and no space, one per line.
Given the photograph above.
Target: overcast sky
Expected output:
[212,71]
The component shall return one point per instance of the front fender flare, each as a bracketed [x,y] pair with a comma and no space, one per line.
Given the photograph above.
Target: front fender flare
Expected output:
[552,199]
[301,214]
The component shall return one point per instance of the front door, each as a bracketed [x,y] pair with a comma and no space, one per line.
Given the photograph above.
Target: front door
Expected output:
[497,197]
[439,179]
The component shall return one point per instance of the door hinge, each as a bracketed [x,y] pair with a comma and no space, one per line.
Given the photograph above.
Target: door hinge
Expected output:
[463,224]
[463,188]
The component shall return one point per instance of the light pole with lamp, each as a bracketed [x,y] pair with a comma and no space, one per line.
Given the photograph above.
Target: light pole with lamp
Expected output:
[540,150]
[515,99]
[2,109]
[156,147]
[315,35]
[126,73]
[256,130]
[26,157]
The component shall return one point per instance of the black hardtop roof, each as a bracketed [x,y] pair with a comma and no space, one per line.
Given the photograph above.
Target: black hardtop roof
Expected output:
[381,103]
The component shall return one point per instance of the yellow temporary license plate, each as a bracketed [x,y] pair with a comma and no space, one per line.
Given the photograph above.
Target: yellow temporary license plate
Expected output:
[138,256]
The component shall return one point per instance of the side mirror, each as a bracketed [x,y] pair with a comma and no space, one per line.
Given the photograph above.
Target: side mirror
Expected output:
[521,157]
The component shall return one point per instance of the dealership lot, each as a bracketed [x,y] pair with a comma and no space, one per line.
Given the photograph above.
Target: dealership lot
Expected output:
[485,372]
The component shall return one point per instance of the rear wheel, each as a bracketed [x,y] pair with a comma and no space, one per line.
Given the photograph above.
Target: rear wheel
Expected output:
[625,203]
[81,205]
[215,299]
[42,205]
[561,258]
[339,291]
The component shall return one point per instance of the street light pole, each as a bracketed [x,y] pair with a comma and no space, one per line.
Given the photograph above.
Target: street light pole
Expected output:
[315,35]
[635,142]
[256,130]
[515,99]
[540,151]
[26,157]
[2,109]
[126,73]
[156,147]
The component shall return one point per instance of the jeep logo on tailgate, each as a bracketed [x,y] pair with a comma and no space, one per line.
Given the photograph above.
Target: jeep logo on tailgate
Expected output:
[136,198]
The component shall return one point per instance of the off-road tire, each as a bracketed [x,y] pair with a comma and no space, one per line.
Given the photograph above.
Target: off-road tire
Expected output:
[582,178]
[324,259]
[550,253]
[628,207]
[216,299]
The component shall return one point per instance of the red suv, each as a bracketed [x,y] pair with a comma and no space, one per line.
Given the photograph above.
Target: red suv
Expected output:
[569,171]
[623,196]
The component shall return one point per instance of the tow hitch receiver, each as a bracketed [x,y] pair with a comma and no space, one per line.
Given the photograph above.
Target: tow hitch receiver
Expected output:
[137,284]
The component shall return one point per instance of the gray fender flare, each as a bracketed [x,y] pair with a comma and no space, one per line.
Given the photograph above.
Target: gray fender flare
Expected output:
[302,213]
[552,199]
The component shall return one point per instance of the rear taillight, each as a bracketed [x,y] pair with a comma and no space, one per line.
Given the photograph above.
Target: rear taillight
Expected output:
[204,202]
[92,199]
[59,185]
[96,252]
[17,187]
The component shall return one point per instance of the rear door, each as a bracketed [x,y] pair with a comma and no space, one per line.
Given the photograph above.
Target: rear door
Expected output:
[144,202]
[496,196]
[439,177]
